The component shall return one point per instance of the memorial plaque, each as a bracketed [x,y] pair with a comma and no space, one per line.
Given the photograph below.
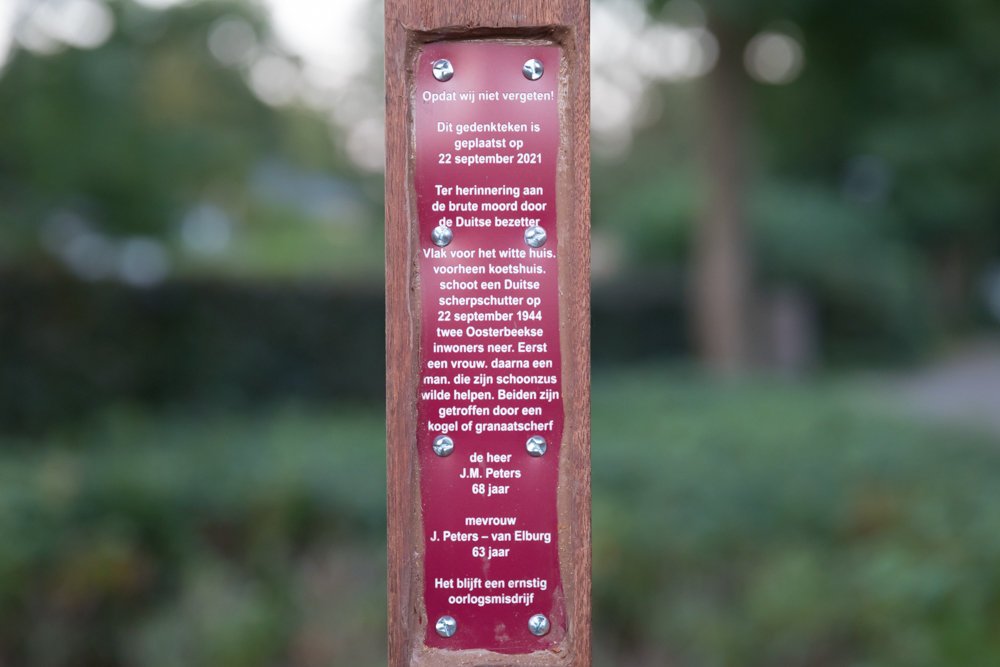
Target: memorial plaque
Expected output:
[487,332]
[487,142]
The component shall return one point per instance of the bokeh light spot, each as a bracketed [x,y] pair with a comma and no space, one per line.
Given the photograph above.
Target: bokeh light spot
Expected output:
[231,39]
[774,57]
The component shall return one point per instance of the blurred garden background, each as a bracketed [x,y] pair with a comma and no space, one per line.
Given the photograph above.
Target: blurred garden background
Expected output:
[796,291]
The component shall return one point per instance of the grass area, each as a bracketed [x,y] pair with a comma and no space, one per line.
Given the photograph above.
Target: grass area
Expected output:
[789,525]
[168,541]
[761,524]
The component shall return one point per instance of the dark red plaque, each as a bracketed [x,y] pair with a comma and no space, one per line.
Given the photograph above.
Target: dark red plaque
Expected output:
[487,142]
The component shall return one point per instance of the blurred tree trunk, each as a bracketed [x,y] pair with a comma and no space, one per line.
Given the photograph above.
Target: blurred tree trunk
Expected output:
[722,289]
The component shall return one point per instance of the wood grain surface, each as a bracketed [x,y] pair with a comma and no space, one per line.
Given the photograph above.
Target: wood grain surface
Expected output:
[408,25]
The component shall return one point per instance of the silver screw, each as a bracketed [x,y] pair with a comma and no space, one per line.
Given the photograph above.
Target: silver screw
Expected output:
[444,71]
[443,445]
[442,236]
[446,626]
[534,236]
[538,624]
[536,445]
[533,70]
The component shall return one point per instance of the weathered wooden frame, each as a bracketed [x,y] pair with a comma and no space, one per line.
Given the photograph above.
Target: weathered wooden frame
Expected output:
[408,25]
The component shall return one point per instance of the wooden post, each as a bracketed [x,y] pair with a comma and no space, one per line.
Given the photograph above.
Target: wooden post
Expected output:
[487,332]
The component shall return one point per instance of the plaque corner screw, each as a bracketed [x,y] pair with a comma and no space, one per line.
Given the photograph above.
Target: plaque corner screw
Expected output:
[533,70]
[535,236]
[443,445]
[442,235]
[536,445]
[443,70]
[446,626]
[538,625]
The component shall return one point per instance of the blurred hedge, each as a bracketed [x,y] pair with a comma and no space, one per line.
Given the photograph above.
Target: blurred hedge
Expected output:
[69,347]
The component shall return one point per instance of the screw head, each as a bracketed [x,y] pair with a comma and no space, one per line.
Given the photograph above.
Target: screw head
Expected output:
[533,70]
[536,445]
[538,625]
[446,626]
[535,236]
[443,70]
[443,445]
[442,235]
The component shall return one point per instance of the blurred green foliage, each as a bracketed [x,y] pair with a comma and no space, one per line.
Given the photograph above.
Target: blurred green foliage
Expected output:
[135,127]
[778,525]
[744,525]
[870,180]
[169,541]
[131,136]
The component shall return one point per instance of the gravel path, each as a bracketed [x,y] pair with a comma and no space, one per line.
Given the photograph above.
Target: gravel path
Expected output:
[964,387]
